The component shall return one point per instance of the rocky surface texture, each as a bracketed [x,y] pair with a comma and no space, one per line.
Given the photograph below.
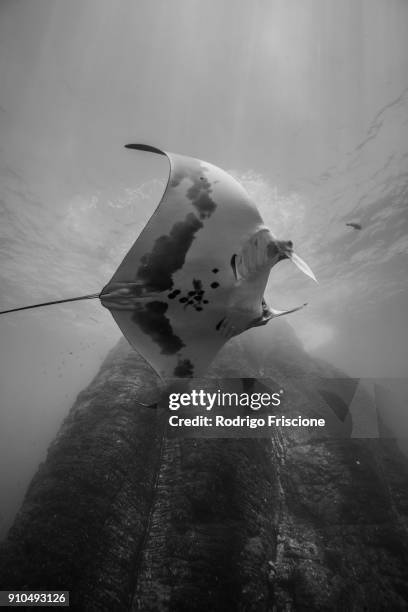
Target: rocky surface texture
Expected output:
[129,519]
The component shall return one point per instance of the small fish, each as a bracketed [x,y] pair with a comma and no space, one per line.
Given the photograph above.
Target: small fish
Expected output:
[356,226]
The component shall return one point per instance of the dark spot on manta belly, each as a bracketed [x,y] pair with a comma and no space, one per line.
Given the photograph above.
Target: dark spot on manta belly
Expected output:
[204,204]
[168,254]
[174,294]
[200,191]
[194,297]
[214,285]
[153,322]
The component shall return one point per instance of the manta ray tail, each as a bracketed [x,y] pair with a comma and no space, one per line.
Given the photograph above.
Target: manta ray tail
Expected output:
[74,299]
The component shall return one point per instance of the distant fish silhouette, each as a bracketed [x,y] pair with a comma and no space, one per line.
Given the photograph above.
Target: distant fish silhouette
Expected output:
[196,275]
[356,226]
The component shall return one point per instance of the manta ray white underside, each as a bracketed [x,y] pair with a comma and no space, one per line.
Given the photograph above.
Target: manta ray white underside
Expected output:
[196,275]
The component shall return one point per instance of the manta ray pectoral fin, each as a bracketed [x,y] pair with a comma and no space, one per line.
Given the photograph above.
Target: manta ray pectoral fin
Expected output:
[302,265]
[143,147]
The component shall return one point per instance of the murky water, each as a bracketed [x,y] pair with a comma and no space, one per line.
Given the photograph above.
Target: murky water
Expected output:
[314,127]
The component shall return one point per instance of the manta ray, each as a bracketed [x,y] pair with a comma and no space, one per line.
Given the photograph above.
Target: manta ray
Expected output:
[196,275]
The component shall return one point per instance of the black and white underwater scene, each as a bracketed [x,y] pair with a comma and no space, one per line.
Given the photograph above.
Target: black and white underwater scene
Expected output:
[253,237]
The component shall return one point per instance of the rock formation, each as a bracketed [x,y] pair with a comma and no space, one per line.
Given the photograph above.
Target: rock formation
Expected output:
[127,518]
